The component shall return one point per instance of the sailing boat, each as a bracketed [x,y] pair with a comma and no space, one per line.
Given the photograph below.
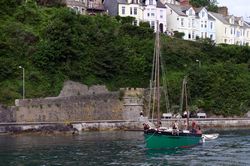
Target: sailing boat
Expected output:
[159,137]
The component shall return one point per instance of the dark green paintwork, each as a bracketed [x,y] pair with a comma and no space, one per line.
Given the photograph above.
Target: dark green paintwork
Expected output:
[154,141]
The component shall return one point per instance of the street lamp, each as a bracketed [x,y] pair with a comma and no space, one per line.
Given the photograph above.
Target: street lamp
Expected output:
[20,67]
[197,60]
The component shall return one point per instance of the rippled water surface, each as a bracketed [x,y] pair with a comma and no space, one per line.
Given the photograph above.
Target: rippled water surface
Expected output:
[120,148]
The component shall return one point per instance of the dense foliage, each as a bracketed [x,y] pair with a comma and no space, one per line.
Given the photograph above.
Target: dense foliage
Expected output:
[55,44]
[211,5]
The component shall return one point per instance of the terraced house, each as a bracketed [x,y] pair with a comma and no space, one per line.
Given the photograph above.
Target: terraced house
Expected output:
[195,23]
[90,7]
[142,10]
[231,29]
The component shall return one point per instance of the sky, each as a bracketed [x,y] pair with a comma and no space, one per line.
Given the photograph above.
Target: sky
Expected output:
[237,7]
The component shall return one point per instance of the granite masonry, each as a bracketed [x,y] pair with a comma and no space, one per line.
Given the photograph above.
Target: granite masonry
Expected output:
[77,102]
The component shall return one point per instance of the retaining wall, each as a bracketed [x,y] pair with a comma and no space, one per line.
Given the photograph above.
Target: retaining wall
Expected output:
[106,106]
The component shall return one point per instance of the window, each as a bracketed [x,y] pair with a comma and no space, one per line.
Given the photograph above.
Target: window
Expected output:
[190,13]
[123,10]
[247,33]
[202,14]
[238,34]
[232,20]
[148,14]
[150,2]
[152,14]
[225,31]
[189,36]
[211,37]
[201,24]
[205,24]
[231,31]
[193,23]
[131,10]
[182,22]
[192,35]
[225,40]
[202,35]
[161,14]
[211,25]
[152,24]
[135,11]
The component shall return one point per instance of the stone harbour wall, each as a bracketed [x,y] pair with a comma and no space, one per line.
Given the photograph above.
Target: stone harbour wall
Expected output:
[7,114]
[105,106]
[77,102]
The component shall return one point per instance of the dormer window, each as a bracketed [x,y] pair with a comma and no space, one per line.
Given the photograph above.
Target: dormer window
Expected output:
[150,2]
[240,22]
[232,20]
[202,14]
[190,13]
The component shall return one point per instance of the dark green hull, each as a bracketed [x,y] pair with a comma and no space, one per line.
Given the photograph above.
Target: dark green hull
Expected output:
[167,140]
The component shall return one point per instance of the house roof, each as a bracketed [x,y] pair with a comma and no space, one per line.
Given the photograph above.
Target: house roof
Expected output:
[178,9]
[159,4]
[197,10]
[225,19]
[220,17]
[111,6]
[185,8]
[210,17]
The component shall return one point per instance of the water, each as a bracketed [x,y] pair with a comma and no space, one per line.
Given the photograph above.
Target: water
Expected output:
[120,148]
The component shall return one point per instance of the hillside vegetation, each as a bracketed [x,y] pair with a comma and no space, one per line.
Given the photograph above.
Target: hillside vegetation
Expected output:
[55,44]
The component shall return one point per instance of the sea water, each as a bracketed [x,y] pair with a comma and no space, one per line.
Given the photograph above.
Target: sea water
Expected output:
[123,148]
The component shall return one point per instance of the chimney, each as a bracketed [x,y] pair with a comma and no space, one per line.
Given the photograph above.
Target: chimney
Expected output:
[184,2]
[223,10]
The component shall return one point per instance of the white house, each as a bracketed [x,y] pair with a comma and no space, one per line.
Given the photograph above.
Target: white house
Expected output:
[142,10]
[206,24]
[231,29]
[182,19]
[131,8]
[193,22]
[247,33]
[153,11]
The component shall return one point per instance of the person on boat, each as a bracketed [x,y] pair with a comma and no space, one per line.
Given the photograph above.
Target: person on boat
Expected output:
[159,124]
[198,130]
[145,126]
[175,128]
[193,129]
[185,125]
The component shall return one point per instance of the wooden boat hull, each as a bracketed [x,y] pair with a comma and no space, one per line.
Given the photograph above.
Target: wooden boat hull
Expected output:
[159,140]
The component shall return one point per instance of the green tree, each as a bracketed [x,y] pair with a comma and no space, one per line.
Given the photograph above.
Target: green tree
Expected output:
[211,5]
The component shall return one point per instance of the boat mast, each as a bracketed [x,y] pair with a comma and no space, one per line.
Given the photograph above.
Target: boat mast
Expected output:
[158,73]
[186,100]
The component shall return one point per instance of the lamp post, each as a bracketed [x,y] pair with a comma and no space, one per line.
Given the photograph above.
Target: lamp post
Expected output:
[20,67]
[197,60]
